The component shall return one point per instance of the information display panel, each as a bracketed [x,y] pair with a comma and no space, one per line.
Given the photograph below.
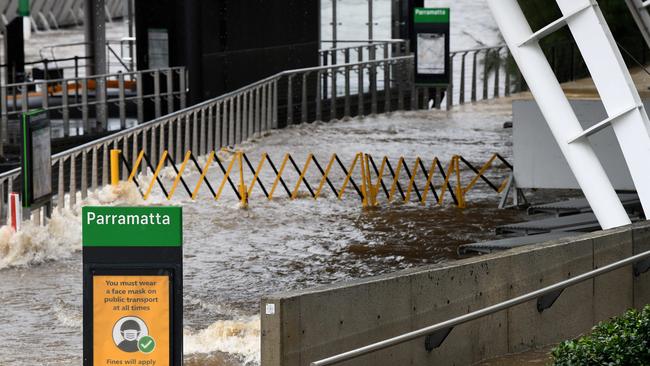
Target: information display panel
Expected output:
[431,32]
[36,158]
[131,320]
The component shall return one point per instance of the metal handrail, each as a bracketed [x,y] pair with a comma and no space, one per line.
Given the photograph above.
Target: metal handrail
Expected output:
[449,324]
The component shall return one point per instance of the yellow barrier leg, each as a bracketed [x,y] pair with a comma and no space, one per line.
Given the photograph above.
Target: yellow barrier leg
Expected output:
[242,186]
[115,167]
[459,187]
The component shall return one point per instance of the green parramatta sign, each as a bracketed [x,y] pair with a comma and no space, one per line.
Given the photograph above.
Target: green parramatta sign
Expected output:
[132,226]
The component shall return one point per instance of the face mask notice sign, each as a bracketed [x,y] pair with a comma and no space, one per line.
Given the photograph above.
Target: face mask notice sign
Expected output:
[132,286]
[131,320]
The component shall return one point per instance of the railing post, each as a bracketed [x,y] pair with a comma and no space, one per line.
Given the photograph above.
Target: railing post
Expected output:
[497,71]
[244,116]
[373,81]
[238,119]
[101,109]
[360,77]
[400,85]
[258,113]
[461,99]
[169,74]
[139,98]
[84,105]
[319,106]
[65,108]
[485,73]
[122,103]
[346,109]
[274,105]
[303,108]
[251,113]
[45,102]
[290,100]
[450,87]
[265,109]
[156,93]
[231,121]
[183,88]
[333,116]
[387,66]
[203,135]
[507,76]
[325,63]
[474,57]
[5,119]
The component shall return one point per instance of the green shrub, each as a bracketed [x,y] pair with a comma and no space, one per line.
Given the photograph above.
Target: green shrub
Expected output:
[624,340]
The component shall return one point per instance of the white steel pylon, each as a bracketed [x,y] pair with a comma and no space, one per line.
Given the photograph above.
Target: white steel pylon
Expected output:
[641,13]
[614,84]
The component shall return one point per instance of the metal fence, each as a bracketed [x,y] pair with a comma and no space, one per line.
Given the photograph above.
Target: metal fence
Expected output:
[354,89]
[85,104]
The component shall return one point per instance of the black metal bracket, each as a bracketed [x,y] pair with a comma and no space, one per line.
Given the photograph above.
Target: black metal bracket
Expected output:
[546,301]
[435,339]
[641,267]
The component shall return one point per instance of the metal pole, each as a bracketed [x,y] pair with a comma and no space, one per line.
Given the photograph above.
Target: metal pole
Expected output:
[334,23]
[370,20]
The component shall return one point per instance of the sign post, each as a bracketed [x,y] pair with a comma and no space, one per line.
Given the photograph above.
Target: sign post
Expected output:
[36,162]
[133,286]
[431,33]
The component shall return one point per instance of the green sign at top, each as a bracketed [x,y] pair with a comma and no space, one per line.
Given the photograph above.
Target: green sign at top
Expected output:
[132,226]
[23,8]
[431,15]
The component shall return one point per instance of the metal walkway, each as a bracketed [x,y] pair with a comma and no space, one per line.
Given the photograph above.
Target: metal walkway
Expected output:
[487,247]
[575,206]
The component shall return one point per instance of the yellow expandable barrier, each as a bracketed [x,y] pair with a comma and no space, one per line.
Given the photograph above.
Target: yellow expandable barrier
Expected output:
[368,189]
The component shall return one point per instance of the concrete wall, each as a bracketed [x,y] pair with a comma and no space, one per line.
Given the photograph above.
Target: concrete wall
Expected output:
[304,326]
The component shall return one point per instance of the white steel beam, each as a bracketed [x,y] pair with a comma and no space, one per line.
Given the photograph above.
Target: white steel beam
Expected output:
[640,13]
[616,89]
[559,115]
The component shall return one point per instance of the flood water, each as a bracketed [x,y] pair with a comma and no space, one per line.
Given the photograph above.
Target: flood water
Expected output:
[234,256]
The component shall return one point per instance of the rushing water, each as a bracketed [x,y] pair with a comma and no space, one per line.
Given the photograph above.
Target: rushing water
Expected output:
[233,256]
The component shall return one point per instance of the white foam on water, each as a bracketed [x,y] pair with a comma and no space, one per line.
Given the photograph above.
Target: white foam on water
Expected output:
[237,337]
[61,236]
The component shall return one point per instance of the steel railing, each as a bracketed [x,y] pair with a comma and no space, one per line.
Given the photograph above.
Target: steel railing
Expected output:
[354,89]
[282,99]
[80,98]
[438,332]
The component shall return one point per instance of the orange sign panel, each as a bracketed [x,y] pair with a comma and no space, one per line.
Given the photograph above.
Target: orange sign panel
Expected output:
[131,320]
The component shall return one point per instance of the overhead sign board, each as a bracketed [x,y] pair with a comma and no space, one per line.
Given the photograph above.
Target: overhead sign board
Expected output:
[132,286]
[431,39]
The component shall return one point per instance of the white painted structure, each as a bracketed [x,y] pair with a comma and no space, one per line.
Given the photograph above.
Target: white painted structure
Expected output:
[626,114]
[641,13]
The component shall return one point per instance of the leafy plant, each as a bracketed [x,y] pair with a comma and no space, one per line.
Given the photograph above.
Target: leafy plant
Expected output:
[624,340]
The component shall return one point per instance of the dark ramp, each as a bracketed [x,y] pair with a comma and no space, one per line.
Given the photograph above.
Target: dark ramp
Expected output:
[575,206]
[509,243]
[581,222]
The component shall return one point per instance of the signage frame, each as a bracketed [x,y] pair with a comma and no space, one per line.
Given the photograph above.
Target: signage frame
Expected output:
[429,22]
[133,260]
[34,122]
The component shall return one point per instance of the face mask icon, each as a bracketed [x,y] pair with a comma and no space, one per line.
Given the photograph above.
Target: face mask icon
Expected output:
[130,335]
[128,331]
